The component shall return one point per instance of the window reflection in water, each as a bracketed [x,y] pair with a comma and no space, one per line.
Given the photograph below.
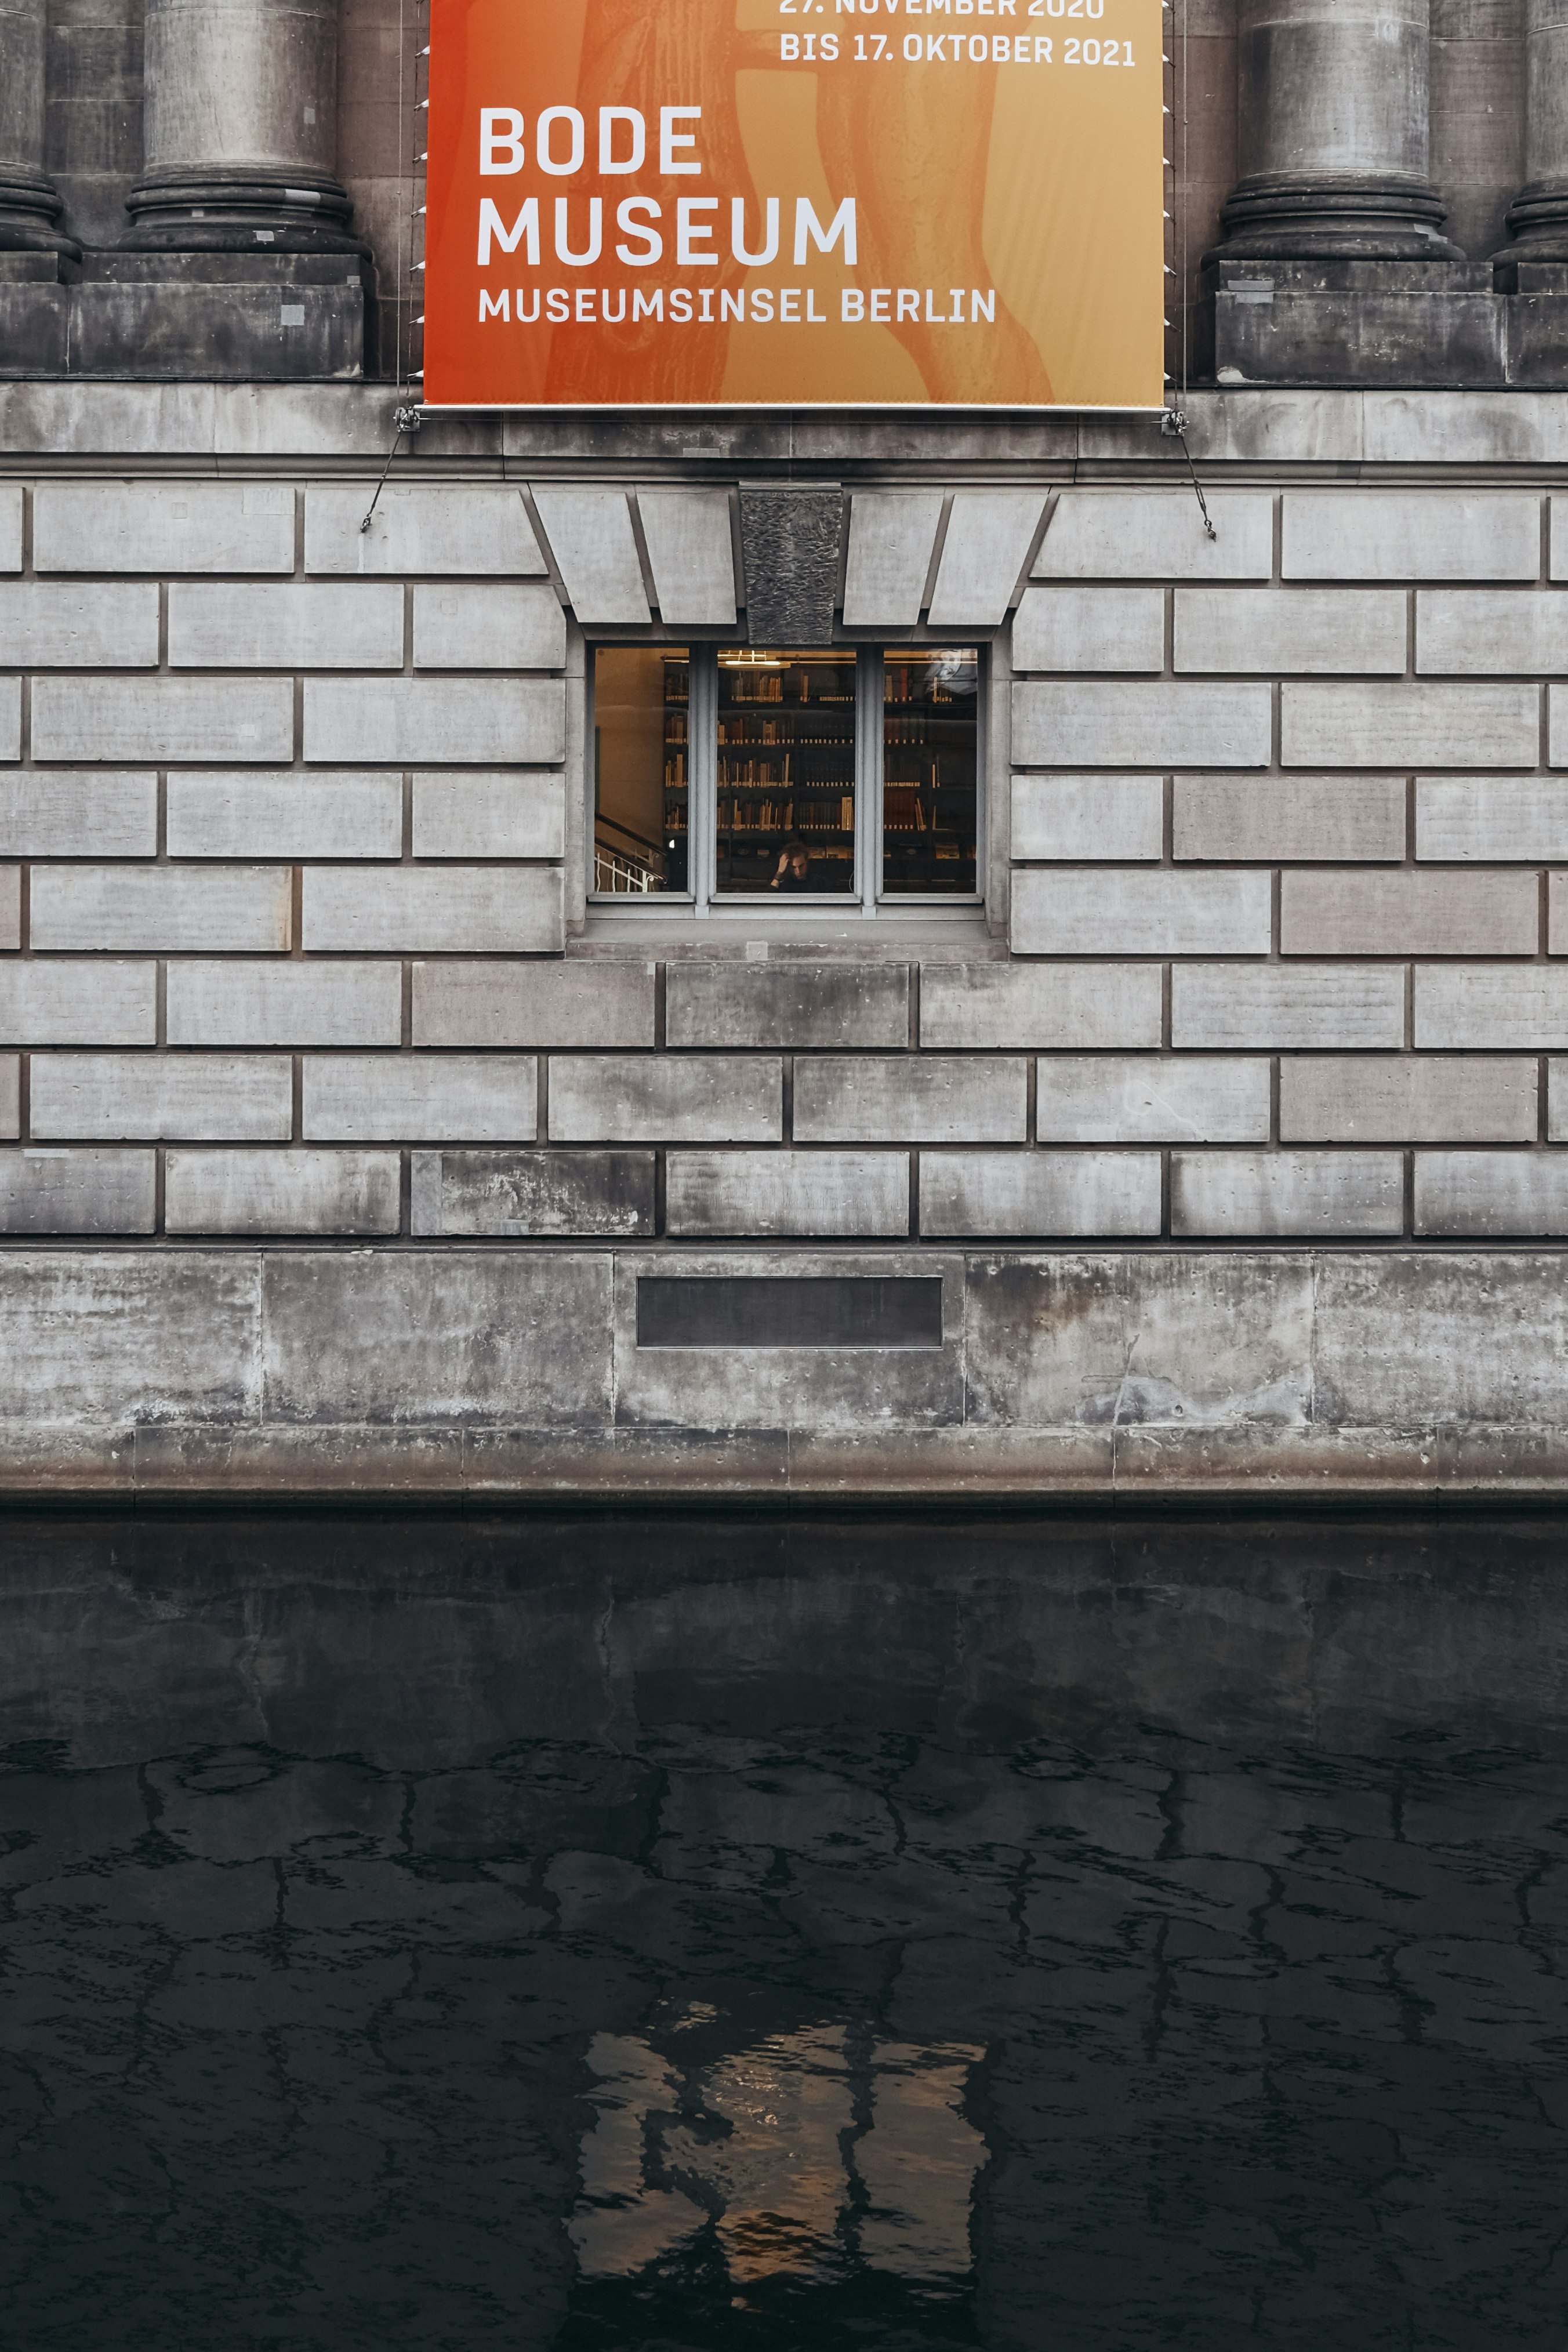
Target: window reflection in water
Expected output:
[806,2153]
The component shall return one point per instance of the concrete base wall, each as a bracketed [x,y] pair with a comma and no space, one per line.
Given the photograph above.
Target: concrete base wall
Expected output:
[501,1376]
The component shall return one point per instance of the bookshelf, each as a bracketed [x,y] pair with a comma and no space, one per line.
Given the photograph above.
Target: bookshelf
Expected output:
[785,766]
[930,770]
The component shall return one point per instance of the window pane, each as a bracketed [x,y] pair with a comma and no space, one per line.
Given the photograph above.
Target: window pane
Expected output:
[929,766]
[786,771]
[641,699]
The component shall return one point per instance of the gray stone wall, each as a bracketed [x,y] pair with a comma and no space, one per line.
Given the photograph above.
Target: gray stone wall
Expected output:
[341,1130]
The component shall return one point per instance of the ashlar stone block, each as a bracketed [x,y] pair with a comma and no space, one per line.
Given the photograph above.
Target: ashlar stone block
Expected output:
[1017,1196]
[513,813]
[10,906]
[1496,1194]
[1406,1099]
[928,1099]
[1409,913]
[62,1191]
[891,535]
[691,549]
[1300,630]
[590,534]
[56,625]
[281,1192]
[1234,1195]
[1104,629]
[233,1003]
[1155,725]
[230,624]
[455,529]
[115,1096]
[540,1194]
[163,527]
[238,909]
[44,812]
[159,719]
[1410,535]
[464,626]
[433,910]
[48,1000]
[419,721]
[1157,535]
[10,526]
[788,1005]
[1286,1008]
[1151,1098]
[685,1099]
[1232,820]
[1491,819]
[10,717]
[1146,914]
[1488,1007]
[1039,1007]
[825,1193]
[987,544]
[1490,632]
[1078,818]
[357,814]
[1424,726]
[421,1098]
[583,1002]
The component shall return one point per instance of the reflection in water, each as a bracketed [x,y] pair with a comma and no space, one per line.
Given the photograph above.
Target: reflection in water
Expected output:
[592,1936]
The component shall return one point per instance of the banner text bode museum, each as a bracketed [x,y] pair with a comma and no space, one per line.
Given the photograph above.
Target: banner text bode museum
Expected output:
[757,202]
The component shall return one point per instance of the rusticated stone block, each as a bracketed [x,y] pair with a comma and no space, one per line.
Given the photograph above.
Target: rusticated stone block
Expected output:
[50,625]
[421,1098]
[1233,820]
[488,628]
[1410,535]
[688,1098]
[1013,1195]
[584,1001]
[155,719]
[1157,535]
[231,625]
[64,1192]
[285,815]
[418,721]
[787,1004]
[432,910]
[1287,1007]
[453,529]
[1097,817]
[1299,630]
[163,527]
[211,1096]
[1147,914]
[542,1362]
[1406,1099]
[1500,1193]
[465,1194]
[130,1335]
[162,906]
[231,1002]
[1233,1195]
[1151,1098]
[1409,913]
[56,1001]
[46,814]
[1039,1007]
[281,1192]
[824,1193]
[1104,629]
[510,814]
[1159,724]
[928,1099]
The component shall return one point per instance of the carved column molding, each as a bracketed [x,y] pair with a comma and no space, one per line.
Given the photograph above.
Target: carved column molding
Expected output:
[1539,214]
[241,129]
[1333,106]
[29,206]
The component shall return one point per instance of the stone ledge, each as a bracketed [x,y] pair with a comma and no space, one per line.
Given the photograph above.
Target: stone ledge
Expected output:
[252,1375]
[57,425]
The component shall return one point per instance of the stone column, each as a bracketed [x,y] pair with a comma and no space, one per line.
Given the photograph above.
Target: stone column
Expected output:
[1539,214]
[1333,117]
[241,129]
[29,206]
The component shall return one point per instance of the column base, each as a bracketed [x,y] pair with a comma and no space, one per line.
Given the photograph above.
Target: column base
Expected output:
[29,208]
[204,209]
[1428,326]
[188,318]
[1537,225]
[1289,216]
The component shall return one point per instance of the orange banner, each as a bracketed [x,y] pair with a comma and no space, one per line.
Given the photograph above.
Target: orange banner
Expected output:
[791,203]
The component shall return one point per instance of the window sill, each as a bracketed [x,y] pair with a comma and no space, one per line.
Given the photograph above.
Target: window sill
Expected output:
[806,927]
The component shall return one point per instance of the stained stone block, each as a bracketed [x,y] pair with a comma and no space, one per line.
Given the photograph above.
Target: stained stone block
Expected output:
[835,1194]
[790,539]
[787,1005]
[1005,1195]
[532,1193]
[281,1192]
[63,1192]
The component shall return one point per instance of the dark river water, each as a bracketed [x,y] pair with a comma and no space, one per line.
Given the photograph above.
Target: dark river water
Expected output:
[759,1936]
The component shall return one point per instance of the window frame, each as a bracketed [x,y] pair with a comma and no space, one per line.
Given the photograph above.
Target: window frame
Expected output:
[866,902]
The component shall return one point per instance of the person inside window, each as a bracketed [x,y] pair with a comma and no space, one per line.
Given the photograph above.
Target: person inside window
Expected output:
[795,866]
